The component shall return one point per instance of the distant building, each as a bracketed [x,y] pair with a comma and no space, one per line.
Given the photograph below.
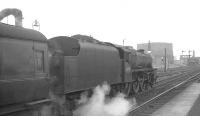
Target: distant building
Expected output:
[158,51]
[184,59]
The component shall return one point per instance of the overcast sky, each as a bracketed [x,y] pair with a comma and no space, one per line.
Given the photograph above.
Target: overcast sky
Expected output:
[136,21]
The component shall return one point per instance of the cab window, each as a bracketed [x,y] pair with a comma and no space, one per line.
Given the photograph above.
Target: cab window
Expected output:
[39,61]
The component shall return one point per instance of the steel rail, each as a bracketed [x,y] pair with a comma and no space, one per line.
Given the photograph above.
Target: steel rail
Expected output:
[156,97]
[174,77]
[174,71]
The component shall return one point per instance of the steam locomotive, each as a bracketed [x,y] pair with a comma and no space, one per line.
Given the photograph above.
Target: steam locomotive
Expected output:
[32,67]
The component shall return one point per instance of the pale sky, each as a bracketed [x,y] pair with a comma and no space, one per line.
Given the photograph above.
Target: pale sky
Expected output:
[136,21]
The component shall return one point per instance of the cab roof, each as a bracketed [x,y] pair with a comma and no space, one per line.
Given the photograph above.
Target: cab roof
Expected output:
[20,33]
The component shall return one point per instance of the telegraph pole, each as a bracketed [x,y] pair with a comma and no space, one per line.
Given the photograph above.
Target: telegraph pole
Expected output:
[189,56]
[123,42]
[182,52]
[189,53]
[165,67]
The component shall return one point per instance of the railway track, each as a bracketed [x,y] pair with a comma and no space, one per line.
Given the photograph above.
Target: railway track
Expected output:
[174,72]
[173,80]
[181,76]
[151,100]
[162,86]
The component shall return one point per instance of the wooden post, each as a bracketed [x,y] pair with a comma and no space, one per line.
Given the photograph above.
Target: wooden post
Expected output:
[165,67]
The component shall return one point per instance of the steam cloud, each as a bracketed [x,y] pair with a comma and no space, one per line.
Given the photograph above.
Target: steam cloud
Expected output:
[101,105]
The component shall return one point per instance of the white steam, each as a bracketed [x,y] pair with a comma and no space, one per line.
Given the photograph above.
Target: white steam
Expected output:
[100,105]
[56,108]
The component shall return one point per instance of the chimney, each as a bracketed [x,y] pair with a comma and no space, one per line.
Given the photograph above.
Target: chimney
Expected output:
[149,46]
[193,53]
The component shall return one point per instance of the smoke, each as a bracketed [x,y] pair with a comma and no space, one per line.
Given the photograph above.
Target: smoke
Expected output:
[101,105]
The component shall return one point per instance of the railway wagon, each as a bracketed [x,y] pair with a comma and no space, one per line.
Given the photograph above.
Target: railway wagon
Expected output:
[23,68]
[193,61]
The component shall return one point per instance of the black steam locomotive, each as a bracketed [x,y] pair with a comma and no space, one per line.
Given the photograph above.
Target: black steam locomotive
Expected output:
[32,66]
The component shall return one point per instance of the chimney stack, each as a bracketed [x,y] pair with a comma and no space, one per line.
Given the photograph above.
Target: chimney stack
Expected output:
[193,53]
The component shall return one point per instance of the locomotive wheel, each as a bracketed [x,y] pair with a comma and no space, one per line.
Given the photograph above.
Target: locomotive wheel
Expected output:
[121,88]
[118,88]
[113,91]
[147,85]
[148,82]
[135,86]
[141,83]
[151,80]
[127,89]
